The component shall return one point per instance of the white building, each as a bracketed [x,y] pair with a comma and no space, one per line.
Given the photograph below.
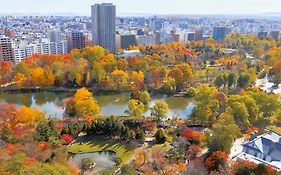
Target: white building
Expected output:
[264,149]
[19,54]
[145,40]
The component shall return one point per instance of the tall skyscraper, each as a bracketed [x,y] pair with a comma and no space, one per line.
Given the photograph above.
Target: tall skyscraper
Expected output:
[6,49]
[219,33]
[103,19]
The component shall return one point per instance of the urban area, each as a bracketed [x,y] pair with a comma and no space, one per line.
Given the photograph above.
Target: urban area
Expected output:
[146,94]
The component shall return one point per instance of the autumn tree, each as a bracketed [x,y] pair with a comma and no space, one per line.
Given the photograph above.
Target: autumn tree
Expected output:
[169,85]
[120,79]
[19,79]
[135,108]
[160,110]
[85,104]
[29,116]
[216,160]
[225,131]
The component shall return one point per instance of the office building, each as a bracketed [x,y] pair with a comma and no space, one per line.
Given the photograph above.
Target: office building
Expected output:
[262,35]
[275,34]
[191,36]
[54,35]
[103,19]
[76,40]
[128,40]
[219,33]
[6,49]
[198,36]
[19,54]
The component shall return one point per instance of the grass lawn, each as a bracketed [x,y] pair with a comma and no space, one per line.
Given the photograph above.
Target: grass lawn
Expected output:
[97,144]
[163,147]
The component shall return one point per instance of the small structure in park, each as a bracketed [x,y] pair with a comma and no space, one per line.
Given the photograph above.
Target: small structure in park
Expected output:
[264,149]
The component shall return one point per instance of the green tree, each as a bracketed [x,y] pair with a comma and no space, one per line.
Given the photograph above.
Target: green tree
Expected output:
[267,103]
[232,77]
[160,136]
[225,131]
[219,81]
[160,110]
[169,85]
[135,108]
[277,79]
[243,80]
[140,136]
[87,163]
[142,96]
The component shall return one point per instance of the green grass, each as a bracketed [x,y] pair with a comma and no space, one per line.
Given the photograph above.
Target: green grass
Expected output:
[163,147]
[97,144]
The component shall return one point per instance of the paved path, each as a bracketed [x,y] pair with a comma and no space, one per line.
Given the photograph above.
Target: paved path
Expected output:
[237,148]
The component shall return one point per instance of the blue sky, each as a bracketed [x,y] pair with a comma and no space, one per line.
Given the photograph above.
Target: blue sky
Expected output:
[144,6]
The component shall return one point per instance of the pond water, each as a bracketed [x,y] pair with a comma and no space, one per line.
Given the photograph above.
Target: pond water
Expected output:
[111,103]
[104,160]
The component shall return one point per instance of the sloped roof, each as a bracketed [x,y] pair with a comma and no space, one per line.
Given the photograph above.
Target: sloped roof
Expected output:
[268,144]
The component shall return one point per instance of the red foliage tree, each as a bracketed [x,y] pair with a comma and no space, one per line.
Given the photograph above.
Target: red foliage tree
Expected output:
[194,137]
[217,159]
[67,138]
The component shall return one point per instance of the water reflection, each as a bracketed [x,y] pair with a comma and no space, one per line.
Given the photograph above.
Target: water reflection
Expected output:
[111,103]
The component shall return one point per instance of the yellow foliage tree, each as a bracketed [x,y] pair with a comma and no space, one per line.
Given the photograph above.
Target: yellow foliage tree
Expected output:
[37,76]
[19,79]
[29,116]
[85,104]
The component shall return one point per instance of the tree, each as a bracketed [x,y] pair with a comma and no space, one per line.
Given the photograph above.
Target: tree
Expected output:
[277,79]
[193,151]
[177,75]
[225,131]
[240,114]
[127,170]
[142,96]
[85,104]
[37,76]
[160,110]
[137,80]
[29,116]
[267,103]
[135,108]
[219,81]
[98,73]
[206,105]
[216,160]
[250,104]
[87,163]
[67,138]
[232,77]
[120,79]
[140,136]
[243,80]
[19,79]
[45,131]
[169,85]
[194,137]
[160,136]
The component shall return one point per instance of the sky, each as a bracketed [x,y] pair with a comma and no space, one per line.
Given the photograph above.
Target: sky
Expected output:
[82,7]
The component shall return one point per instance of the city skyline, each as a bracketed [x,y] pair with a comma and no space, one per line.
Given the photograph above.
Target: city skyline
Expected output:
[128,7]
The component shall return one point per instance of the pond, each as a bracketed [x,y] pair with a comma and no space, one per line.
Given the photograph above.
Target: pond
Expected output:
[111,103]
[104,160]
